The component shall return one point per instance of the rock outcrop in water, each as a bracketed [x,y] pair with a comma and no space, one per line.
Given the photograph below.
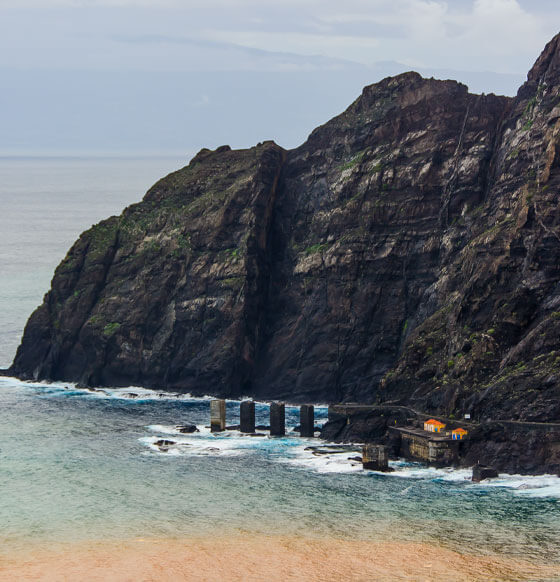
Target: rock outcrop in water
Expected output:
[407,253]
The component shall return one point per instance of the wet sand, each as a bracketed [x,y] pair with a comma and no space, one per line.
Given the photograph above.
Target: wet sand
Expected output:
[247,558]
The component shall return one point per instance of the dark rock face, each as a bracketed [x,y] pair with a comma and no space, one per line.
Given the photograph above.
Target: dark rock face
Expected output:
[364,424]
[407,253]
[488,345]
[170,293]
[357,232]
[514,447]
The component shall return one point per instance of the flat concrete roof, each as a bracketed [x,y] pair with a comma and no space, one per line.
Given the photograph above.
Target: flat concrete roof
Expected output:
[431,436]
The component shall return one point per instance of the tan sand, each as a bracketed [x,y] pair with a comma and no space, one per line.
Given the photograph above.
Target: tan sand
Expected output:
[247,558]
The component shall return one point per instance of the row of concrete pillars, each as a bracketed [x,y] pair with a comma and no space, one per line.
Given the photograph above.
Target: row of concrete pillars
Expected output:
[277,418]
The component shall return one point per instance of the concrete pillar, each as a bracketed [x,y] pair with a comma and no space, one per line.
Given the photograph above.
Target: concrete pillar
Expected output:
[277,419]
[375,457]
[217,415]
[307,420]
[480,473]
[247,416]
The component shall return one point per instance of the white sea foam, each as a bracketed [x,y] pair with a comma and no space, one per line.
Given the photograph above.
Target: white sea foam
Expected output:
[304,457]
[407,470]
[226,443]
[327,463]
[345,462]
[540,486]
[126,393]
[533,486]
[7,381]
[192,447]
[164,429]
[135,393]
[139,393]
[527,485]
[173,429]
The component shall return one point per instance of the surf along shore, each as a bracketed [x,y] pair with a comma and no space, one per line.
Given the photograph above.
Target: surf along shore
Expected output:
[248,558]
[117,507]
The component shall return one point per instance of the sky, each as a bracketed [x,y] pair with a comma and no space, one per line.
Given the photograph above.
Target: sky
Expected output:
[128,77]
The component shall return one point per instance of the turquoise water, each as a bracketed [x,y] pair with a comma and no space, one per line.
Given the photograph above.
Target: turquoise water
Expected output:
[45,203]
[77,465]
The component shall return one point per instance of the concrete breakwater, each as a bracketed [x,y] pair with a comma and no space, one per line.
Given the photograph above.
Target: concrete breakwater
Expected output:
[509,446]
[247,418]
[408,442]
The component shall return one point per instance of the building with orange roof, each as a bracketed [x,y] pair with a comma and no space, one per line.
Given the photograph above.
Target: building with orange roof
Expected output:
[434,425]
[458,434]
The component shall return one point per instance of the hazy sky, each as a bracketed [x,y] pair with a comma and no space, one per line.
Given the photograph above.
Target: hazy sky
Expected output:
[169,75]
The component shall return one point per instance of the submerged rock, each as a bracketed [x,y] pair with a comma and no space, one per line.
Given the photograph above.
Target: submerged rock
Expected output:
[164,443]
[187,428]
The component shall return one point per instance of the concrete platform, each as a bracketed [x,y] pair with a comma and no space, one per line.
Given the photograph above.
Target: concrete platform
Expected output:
[419,432]
[420,445]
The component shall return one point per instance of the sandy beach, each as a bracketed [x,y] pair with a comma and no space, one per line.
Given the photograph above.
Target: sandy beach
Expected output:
[246,558]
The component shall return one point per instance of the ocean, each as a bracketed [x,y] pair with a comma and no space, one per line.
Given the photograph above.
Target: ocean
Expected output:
[86,493]
[46,203]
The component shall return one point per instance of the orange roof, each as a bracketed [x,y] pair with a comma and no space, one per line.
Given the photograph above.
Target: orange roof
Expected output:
[460,430]
[434,422]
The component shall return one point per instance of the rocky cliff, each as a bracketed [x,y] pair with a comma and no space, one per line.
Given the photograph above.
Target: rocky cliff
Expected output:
[407,253]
